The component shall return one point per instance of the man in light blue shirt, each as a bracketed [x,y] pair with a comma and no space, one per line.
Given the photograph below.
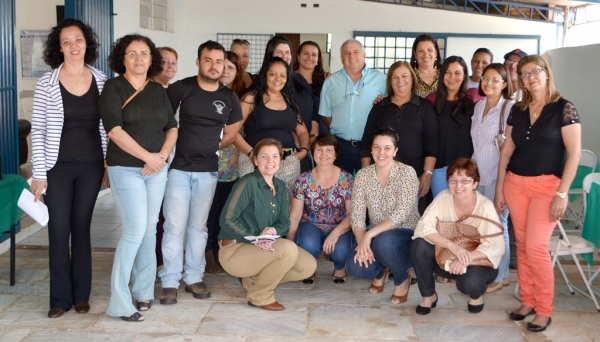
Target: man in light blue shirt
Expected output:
[346,100]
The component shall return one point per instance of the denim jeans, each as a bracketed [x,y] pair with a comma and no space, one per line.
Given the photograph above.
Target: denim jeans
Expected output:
[473,283]
[312,238]
[489,191]
[391,251]
[188,198]
[348,157]
[438,181]
[138,199]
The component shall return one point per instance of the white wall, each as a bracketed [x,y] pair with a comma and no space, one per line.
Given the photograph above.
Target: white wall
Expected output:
[200,20]
[583,34]
[465,47]
[576,77]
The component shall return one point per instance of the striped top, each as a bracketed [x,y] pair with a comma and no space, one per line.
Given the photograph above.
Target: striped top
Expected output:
[48,117]
[483,133]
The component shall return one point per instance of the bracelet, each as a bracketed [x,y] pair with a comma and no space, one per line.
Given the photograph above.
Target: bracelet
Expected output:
[305,148]
[313,135]
[250,152]
[428,172]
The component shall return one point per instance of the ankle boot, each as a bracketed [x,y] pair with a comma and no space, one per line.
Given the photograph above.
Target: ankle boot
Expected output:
[212,266]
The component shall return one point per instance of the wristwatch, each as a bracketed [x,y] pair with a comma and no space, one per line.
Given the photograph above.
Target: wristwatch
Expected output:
[562,195]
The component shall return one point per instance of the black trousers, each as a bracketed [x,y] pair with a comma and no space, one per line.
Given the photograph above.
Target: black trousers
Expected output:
[221,195]
[473,283]
[70,197]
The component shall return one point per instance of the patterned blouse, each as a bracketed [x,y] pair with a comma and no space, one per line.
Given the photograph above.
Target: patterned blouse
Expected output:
[325,208]
[397,201]
[228,164]
[424,89]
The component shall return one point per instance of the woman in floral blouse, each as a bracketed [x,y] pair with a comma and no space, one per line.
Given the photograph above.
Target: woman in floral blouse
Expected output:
[389,190]
[320,208]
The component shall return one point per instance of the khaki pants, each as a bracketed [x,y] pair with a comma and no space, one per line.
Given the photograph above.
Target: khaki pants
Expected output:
[261,271]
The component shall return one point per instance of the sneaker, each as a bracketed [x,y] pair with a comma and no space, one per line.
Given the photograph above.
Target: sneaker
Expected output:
[493,287]
[168,295]
[198,290]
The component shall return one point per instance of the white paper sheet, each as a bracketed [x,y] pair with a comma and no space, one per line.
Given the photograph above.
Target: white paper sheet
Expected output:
[37,210]
[262,237]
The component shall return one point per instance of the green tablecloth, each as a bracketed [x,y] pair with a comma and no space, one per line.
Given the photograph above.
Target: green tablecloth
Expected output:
[591,225]
[11,187]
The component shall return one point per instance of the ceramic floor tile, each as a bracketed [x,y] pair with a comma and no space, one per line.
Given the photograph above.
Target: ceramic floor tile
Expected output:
[441,332]
[34,241]
[104,226]
[39,319]
[186,338]
[6,300]
[106,243]
[88,336]
[13,334]
[106,219]
[377,323]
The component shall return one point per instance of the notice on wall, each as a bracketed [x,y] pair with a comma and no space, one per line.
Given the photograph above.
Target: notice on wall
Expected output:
[32,47]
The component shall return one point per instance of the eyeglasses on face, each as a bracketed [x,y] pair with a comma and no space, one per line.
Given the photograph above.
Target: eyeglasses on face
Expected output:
[492,79]
[241,41]
[465,181]
[134,54]
[533,72]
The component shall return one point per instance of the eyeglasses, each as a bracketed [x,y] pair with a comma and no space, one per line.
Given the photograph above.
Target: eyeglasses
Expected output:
[134,54]
[466,181]
[241,41]
[493,80]
[510,62]
[533,72]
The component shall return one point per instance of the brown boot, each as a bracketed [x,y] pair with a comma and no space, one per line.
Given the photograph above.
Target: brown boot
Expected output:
[212,266]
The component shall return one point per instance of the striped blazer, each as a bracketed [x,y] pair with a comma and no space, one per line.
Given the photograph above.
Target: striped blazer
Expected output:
[48,117]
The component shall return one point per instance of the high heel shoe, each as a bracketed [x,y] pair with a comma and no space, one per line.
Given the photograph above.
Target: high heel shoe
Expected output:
[423,310]
[395,299]
[379,288]
[339,280]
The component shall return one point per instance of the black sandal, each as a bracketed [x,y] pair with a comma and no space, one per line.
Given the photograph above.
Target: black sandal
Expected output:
[143,306]
[339,280]
[309,280]
[135,317]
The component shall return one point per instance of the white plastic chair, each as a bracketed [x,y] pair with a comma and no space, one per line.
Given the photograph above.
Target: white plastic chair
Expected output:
[570,245]
[588,159]
[587,183]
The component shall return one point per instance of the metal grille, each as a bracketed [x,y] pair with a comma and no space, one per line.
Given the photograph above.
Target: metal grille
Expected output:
[383,51]
[258,42]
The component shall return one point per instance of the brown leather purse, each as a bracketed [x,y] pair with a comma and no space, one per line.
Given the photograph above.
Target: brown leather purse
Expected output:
[464,235]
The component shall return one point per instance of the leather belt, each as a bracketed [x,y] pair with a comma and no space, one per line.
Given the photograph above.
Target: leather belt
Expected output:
[353,143]
[227,242]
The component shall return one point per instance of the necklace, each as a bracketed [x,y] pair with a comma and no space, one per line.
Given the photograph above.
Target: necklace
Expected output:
[76,79]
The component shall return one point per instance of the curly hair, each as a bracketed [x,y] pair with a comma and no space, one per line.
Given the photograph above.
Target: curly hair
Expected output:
[53,55]
[117,55]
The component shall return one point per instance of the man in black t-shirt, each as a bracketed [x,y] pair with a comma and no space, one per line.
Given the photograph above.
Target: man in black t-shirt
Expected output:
[209,118]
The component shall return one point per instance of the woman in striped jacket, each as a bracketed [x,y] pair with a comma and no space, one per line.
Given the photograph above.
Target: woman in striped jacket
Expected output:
[69,143]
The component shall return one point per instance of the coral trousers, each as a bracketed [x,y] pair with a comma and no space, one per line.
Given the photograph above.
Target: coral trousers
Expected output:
[529,200]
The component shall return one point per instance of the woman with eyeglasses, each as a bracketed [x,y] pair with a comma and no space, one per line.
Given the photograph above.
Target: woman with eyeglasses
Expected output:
[309,64]
[454,107]
[537,165]
[138,117]
[241,47]
[271,112]
[490,114]
[388,190]
[415,121]
[462,198]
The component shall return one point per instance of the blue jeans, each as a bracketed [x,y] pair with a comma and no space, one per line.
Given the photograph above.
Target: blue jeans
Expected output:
[312,238]
[489,191]
[438,181]
[138,199]
[188,198]
[391,251]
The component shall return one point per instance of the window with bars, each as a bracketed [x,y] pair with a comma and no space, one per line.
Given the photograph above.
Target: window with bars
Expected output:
[385,48]
[257,42]
[153,15]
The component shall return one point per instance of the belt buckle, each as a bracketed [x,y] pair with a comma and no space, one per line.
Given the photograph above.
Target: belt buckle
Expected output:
[354,143]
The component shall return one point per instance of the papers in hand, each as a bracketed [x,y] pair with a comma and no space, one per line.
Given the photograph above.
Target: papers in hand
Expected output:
[262,237]
[37,210]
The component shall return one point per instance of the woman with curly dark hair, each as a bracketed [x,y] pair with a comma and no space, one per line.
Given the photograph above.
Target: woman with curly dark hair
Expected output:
[270,112]
[69,142]
[139,119]
[309,64]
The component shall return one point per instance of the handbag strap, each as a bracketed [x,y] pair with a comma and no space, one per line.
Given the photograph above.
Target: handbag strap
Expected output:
[464,217]
[134,94]
[501,121]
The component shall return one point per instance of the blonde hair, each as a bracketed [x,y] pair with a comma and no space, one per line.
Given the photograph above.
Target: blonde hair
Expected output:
[553,94]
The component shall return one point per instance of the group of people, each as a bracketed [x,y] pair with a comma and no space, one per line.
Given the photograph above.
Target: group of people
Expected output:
[270,170]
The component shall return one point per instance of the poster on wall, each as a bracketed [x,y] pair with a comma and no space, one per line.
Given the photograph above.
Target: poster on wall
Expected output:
[32,47]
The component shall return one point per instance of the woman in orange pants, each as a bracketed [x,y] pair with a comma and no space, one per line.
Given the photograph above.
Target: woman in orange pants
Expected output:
[537,165]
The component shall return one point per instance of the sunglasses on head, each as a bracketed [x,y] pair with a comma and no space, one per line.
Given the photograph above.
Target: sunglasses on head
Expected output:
[241,41]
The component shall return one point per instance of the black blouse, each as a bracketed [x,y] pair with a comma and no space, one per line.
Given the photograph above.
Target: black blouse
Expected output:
[417,127]
[264,123]
[539,148]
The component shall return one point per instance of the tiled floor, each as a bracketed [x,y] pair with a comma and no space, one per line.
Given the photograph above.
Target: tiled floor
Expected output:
[323,311]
